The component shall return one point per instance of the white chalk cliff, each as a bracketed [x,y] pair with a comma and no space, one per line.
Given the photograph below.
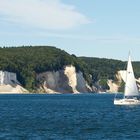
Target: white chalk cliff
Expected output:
[63,81]
[9,83]
[115,85]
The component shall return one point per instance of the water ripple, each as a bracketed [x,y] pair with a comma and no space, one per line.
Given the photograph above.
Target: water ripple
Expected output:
[68,117]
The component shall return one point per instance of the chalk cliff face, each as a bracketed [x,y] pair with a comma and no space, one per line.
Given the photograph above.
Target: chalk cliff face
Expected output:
[8,78]
[9,83]
[63,81]
[115,85]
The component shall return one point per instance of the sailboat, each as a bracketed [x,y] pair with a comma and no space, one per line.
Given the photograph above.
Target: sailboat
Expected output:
[131,93]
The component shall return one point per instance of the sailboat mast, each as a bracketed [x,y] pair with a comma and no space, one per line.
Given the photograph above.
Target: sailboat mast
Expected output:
[129,59]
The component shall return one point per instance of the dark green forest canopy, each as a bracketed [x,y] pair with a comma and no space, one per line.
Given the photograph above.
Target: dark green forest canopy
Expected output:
[27,61]
[39,58]
[102,68]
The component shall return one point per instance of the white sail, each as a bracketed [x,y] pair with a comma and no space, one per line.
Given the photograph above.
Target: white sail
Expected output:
[131,88]
[123,75]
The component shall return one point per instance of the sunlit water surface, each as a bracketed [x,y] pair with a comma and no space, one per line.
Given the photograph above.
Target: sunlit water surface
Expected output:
[67,117]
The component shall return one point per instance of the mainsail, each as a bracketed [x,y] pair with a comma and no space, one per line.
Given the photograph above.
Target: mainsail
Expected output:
[131,88]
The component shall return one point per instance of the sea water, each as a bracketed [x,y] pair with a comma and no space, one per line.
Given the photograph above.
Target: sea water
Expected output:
[67,117]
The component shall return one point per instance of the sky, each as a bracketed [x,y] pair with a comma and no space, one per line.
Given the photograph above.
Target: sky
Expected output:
[93,28]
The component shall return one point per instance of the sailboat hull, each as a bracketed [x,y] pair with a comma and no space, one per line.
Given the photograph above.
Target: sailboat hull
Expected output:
[127,102]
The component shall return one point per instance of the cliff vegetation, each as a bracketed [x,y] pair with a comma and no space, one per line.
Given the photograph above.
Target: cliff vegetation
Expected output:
[28,61]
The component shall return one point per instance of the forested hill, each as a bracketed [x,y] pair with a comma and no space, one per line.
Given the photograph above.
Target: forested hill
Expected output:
[102,68]
[27,61]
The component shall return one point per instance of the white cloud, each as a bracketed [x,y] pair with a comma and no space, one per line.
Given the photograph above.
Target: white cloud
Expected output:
[45,14]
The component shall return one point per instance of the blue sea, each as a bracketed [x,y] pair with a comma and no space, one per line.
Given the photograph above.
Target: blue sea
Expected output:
[67,117]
